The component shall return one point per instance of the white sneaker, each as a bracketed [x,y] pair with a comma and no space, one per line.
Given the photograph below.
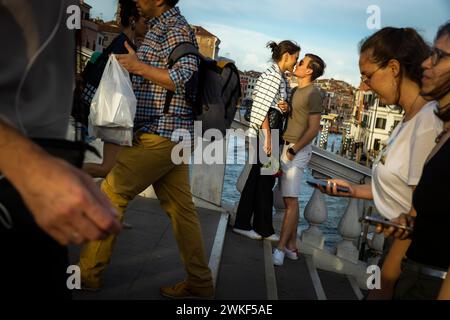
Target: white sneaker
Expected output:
[291,254]
[248,233]
[278,257]
[273,237]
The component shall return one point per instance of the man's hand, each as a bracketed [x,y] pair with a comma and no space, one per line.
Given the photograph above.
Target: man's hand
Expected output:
[402,234]
[130,61]
[284,106]
[66,203]
[289,156]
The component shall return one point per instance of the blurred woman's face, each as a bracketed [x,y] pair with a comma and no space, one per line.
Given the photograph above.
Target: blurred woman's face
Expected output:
[141,28]
[381,80]
[436,77]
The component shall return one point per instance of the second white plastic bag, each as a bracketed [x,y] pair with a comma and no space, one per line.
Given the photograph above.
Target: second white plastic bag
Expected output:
[114,103]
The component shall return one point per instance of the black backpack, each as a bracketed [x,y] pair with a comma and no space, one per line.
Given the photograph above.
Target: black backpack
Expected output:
[214,91]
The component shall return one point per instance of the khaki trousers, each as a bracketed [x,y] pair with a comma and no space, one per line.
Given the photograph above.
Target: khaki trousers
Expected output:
[148,162]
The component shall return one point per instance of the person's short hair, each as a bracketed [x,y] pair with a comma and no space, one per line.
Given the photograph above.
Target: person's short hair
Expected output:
[402,44]
[444,30]
[281,48]
[317,65]
[171,3]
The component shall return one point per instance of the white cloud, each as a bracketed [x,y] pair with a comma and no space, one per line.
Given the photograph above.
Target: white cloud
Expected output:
[248,49]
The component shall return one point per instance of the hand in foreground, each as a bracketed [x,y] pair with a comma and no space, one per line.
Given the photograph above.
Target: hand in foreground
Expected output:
[66,203]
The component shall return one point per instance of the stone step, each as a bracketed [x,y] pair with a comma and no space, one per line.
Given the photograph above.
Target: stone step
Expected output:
[336,286]
[242,271]
[146,256]
[294,280]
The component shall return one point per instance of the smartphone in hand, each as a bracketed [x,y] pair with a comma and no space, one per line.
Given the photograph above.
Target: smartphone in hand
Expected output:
[323,183]
[376,221]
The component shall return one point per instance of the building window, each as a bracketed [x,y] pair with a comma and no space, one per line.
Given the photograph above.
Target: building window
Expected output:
[376,145]
[381,123]
[365,121]
[99,41]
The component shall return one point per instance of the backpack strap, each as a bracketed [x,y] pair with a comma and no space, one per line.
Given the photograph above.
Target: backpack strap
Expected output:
[181,50]
[234,71]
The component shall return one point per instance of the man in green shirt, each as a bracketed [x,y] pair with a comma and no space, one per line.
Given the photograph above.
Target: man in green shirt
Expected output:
[302,127]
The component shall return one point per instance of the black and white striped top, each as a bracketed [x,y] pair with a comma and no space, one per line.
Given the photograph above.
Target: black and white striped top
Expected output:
[270,88]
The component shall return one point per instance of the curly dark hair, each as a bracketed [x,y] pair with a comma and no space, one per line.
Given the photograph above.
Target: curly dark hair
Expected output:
[128,9]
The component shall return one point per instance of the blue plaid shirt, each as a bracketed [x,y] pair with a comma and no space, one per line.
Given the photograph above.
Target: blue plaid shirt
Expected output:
[166,32]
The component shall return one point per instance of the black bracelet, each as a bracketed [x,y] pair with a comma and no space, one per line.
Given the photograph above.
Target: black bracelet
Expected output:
[292,151]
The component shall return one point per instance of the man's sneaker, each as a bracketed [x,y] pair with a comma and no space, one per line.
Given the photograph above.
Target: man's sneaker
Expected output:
[248,233]
[183,290]
[278,257]
[291,254]
[273,237]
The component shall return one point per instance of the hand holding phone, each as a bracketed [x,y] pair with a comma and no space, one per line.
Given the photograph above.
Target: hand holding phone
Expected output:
[324,183]
[386,224]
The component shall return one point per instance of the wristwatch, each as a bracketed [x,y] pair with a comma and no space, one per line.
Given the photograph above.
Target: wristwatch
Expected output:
[291,151]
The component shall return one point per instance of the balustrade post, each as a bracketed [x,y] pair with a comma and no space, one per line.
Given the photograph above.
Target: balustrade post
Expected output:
[350,229]
[315,213]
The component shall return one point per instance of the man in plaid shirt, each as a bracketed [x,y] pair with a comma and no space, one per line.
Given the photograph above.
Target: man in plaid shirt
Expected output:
[148,161]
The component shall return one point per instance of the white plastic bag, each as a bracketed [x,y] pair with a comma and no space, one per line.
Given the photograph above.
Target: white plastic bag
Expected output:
[116,135]
[114,103]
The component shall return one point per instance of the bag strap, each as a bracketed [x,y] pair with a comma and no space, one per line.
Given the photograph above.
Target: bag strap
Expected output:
[181,50]
[77,111]
[236,90]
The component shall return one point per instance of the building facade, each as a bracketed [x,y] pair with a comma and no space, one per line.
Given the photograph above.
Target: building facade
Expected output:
[91,37]
[208,43]
[248,83]
[372,123]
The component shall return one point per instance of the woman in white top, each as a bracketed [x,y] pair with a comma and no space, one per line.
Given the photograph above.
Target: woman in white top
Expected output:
[257,196]
[390,64]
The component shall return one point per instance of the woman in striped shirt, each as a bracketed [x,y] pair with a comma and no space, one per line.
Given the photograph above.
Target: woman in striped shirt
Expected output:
[257,196]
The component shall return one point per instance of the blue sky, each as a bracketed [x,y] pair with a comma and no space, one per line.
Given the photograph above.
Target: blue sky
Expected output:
[330,28]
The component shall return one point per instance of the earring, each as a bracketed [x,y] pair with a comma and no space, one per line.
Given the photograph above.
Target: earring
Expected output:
[133,25]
